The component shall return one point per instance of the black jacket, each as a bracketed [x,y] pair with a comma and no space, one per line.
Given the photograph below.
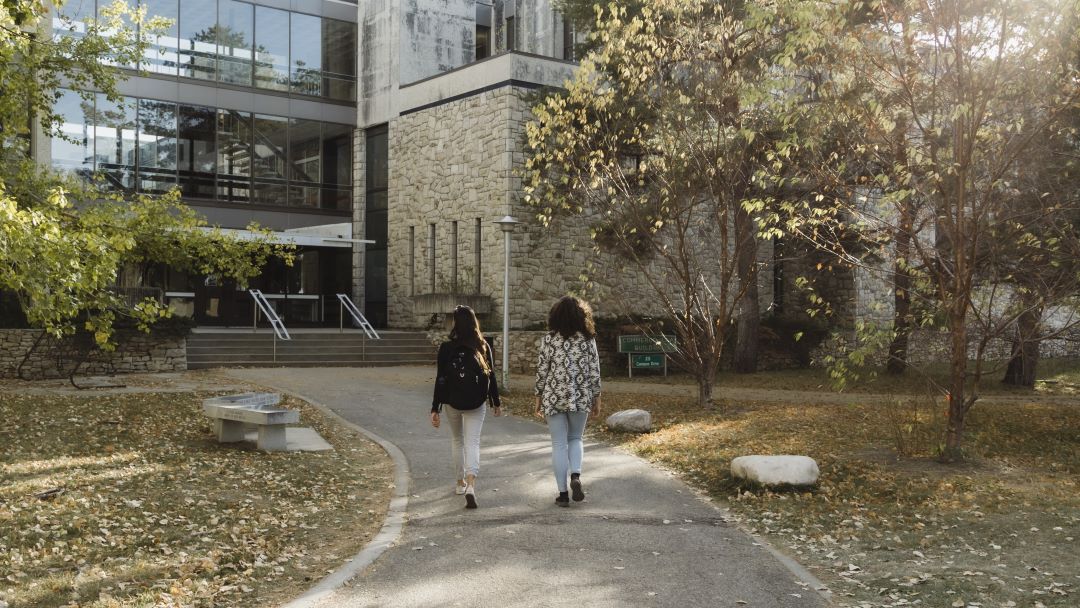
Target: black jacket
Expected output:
[446,350]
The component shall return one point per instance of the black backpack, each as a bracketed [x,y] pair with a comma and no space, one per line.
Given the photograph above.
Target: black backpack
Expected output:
[466,381]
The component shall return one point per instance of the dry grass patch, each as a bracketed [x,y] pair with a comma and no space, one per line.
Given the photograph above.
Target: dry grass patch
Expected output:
[1001,530]
[115,500]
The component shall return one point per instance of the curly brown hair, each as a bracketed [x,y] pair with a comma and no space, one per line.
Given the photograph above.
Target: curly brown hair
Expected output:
[570,315]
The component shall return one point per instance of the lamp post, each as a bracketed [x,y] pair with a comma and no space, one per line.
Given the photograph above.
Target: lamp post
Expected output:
[507,224]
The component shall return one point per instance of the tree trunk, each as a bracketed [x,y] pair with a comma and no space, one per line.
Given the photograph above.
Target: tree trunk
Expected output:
[898,347]
[749,319]
[1025,350]
[954,433]
[705,389]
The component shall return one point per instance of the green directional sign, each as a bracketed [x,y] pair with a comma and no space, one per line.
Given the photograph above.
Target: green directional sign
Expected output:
[647,360]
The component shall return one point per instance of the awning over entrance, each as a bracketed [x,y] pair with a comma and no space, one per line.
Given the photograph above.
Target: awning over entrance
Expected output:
[327,235]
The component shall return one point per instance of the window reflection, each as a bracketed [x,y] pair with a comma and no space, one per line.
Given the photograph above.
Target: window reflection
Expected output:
[271,48]
[198,39]
[161,55]
[270,149]
[71,18]
[235,33]
[114,142]
[337,154]
[157,146]
[339,59]
[306,47]
[239,43]
[212,154]
[74,152]
[197,155]
[234,155]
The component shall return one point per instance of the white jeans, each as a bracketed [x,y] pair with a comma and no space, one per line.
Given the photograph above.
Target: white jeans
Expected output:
[465,428]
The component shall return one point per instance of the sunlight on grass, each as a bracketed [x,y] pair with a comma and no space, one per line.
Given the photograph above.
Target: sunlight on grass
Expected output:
[884,529]
[127,500]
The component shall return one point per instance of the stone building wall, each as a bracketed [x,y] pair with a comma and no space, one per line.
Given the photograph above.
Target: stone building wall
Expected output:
[139,353]
[458,165]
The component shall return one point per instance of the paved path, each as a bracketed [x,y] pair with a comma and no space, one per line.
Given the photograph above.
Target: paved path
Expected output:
[641,538]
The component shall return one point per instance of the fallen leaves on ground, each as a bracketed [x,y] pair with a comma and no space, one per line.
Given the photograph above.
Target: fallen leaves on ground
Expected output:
[116,500]
[1000,530]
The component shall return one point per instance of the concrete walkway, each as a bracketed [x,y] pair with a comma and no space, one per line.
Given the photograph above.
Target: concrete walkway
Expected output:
[641,538]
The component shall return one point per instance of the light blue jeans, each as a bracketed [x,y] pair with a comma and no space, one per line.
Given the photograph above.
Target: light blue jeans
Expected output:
[465,426]
[566,429]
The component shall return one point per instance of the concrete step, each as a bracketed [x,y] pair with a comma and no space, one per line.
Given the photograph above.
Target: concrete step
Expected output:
[207,364]
[311,348]
[269,356]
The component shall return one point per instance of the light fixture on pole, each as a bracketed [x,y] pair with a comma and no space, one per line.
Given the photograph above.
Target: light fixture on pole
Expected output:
[507,223]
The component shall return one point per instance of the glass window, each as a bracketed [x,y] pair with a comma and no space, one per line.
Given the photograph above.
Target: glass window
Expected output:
[304,147]
[157,146]
[70,19]
[114,142]
[337,154]
[234,155]
[161,55]
[339,199]
[377,156]
[271,48]
[301,195]
[483,41]
[126,23]
[511,34]
[75,151]
[198,39]
[339,59]
[236,31]
[270,146]
[483,30]
[269,193]
[270,159]
[567,40]
[196,152]
[306,54]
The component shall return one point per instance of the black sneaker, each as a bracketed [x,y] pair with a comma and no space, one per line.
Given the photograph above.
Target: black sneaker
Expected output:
[575,487]
[470,497]
[562,500]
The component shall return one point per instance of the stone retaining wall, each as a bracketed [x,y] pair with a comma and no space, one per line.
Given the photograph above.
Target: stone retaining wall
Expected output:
[139,353]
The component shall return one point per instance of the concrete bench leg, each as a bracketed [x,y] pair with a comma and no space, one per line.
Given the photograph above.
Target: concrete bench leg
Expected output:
[229,431]
[272,438]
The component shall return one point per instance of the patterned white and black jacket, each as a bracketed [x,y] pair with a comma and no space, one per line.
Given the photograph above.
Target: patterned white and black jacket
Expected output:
[567,374]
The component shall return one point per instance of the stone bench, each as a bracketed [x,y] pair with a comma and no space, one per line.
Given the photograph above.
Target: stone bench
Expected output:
[232,412]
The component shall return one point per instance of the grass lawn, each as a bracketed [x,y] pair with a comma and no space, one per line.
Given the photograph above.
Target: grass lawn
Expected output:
[1056,377]
[151,511]
[1001,530]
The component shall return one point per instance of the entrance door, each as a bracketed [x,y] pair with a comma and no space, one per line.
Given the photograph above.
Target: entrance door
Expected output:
[219,303]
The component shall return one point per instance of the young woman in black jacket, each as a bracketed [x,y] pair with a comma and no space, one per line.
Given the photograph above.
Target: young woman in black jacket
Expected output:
[465,383]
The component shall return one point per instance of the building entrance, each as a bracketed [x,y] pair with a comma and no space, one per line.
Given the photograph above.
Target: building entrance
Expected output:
[303,295]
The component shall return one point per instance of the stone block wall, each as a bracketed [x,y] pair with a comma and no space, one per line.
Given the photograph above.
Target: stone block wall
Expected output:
[455,167]
[139,353]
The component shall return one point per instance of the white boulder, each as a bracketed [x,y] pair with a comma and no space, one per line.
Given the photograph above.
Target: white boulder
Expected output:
[630,421]
[776,470]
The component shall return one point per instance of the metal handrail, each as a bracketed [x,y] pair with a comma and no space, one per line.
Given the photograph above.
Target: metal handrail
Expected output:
[357,317]
[263,305]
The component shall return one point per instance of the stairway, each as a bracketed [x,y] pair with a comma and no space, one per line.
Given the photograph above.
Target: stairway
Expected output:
[319,348]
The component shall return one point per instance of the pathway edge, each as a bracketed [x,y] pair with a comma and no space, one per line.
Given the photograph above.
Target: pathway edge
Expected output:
[391,528]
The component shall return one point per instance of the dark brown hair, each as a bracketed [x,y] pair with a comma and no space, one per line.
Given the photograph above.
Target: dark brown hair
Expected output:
[466,332]
[570,315]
